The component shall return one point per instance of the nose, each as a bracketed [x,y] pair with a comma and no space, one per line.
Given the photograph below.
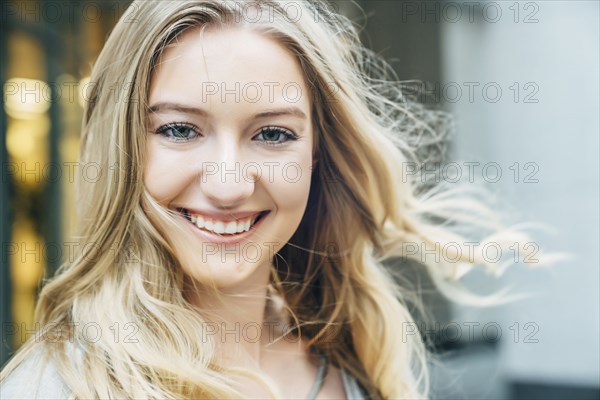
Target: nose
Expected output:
[226,180]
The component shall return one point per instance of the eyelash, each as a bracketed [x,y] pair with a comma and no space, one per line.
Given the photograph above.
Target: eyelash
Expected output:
[164,129]
[274,129]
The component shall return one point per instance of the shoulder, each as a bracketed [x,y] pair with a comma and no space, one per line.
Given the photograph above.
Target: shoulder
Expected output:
[333,385]
[35,378]
[339,384]
[352,388]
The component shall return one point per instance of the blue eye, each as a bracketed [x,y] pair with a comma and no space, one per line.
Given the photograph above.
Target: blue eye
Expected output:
[178,131]
[272,136]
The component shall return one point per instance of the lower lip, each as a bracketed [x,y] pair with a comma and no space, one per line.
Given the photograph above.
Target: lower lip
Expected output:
[226,239]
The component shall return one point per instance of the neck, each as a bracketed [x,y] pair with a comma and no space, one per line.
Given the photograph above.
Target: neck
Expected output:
[245,322]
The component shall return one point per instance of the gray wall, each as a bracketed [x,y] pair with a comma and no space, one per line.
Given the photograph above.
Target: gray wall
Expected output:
[548,119]
[552,124]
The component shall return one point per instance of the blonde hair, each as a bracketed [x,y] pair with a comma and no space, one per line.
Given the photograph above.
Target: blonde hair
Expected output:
[362,211]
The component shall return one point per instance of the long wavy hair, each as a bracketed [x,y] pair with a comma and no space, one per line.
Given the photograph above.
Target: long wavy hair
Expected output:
[341,294]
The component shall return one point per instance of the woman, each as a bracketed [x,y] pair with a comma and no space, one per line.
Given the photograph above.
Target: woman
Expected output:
[252,189]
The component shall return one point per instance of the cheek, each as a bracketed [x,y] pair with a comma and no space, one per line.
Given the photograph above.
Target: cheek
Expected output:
[290,189]
[164,177]
[289,194]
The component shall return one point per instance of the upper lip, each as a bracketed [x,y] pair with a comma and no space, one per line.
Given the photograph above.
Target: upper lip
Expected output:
[222,216]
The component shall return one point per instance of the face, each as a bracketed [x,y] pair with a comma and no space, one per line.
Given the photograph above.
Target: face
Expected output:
[229,148]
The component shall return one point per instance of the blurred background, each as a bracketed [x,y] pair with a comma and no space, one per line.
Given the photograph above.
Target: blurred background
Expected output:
[520,77]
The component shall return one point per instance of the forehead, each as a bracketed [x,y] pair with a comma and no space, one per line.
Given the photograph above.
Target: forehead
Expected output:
[229,63]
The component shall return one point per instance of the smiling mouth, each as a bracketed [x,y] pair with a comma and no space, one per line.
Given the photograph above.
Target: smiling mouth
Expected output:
[222,228]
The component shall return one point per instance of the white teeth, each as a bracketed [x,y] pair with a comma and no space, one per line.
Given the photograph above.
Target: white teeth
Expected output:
[218,227]
[221,227]
[231,227]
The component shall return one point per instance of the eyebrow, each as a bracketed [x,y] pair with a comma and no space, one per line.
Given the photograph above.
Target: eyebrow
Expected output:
[183,108]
